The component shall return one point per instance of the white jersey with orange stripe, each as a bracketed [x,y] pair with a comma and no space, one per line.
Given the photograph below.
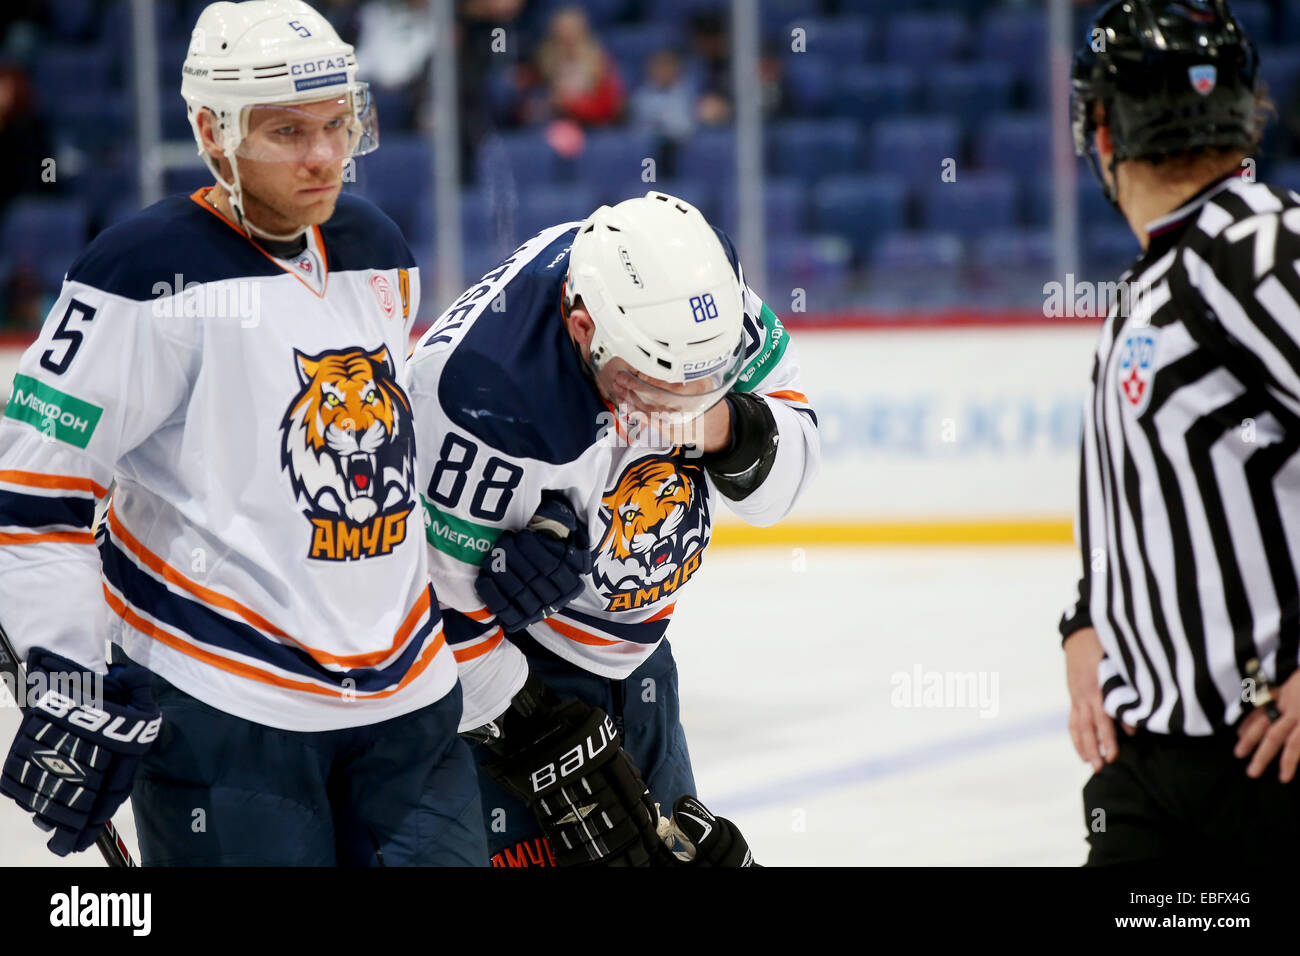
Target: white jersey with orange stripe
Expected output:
[262,549]
[505,413]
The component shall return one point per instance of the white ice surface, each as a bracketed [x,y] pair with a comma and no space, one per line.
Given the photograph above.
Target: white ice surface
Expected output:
[788,664]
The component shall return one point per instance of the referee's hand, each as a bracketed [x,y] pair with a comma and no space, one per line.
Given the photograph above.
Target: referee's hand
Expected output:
[1091,728]
[1266,737]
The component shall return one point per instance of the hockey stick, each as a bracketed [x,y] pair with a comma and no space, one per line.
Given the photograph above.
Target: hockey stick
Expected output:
[109,841]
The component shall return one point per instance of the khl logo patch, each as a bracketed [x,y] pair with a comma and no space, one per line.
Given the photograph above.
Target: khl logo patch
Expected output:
[1137,368]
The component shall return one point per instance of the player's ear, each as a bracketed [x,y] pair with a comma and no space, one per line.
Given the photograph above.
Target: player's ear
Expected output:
[306,367]
[210,132]
[581,326]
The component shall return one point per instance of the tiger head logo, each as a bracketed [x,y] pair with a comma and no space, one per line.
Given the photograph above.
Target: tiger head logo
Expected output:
[656,518]
[348,443]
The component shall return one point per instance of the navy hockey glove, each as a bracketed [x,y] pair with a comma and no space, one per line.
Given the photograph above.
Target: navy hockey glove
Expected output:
[74,759]
[705,840]
[535,572]
[565,760]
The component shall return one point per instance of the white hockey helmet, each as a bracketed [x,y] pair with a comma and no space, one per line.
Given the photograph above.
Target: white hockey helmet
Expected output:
[665,301]
[272,53]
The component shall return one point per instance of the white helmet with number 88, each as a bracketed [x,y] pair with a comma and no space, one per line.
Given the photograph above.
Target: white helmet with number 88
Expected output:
[665,301]
[274,54]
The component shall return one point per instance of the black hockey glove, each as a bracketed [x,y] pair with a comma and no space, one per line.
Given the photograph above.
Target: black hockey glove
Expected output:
[535,572]
[74,759]
[706,840]
[565,760]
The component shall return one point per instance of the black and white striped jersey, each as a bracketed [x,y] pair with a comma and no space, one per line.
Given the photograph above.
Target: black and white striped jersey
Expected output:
[1189,496]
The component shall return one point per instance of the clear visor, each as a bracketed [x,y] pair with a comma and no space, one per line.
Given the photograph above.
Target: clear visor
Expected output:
[322,131]
[663,405]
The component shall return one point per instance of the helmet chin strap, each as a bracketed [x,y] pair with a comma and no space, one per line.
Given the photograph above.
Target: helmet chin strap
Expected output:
[234,192]
[237,204]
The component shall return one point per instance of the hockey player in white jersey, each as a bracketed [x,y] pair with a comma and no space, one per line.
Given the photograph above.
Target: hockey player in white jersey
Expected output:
[231,361]
[581,412]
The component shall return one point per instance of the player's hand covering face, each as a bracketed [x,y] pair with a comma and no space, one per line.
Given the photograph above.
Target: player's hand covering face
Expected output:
[327,131]
[667,405]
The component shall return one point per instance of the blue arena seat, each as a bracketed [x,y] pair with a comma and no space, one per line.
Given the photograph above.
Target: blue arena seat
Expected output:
[63,72]
[489,217]
[613,161]
[398,178]
[710,154]
[785,207]
[860,208]
[925,38]
[819,265]
[974,204]
[875,92]
[1109,250]
[917,270]
[811,83]
[970,90]
[632,46]
[76,19]
[814,148]
[914,148]
[44,235]
[1094,208]
[1018,142]
[547,206]
[1014,249]
[777,17]
[520,159]
[1016,36]
[845,40]
[909,250]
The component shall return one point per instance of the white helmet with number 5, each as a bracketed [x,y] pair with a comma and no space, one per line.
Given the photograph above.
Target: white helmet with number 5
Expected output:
[664,299]
[273,53]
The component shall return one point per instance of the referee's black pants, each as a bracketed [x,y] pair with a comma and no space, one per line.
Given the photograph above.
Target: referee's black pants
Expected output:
[1186,799]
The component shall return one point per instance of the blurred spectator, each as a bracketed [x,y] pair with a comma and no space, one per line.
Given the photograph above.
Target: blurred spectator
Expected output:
[580,78]
[395,41]
[709,41]
[665,104]
[486,70]
[343,15]
[24,139]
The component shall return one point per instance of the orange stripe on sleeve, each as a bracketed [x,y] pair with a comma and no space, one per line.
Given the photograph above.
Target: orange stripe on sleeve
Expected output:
[576,634]
[63,537]
[790,396]
[661,614]
[478,650]
[36,479]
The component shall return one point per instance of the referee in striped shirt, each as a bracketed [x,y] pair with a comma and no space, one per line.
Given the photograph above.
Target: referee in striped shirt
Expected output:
[1186,624]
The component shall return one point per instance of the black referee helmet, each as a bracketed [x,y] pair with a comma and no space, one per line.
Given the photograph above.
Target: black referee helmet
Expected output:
[1171,76]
